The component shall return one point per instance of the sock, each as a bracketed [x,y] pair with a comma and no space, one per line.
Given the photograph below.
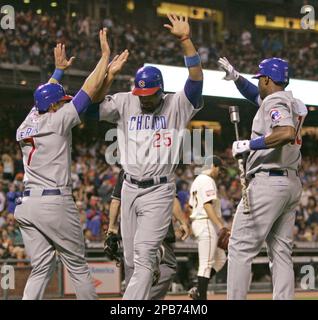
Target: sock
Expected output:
[203,287]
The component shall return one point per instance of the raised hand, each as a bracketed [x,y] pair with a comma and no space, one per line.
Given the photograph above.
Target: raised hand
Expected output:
[230,72]
[61,62]
[179,26]
[104,43]
[117,64]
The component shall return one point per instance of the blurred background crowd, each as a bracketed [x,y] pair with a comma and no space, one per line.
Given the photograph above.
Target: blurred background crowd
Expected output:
[32,41]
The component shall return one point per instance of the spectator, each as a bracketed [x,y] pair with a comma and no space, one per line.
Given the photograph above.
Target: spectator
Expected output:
[93,216]
[183,193]
[313,216]
[8,167]
[11,197]
[246,38]
[2,198]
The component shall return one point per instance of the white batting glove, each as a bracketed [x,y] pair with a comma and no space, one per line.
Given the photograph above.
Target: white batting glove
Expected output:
[231,73]
[239,147]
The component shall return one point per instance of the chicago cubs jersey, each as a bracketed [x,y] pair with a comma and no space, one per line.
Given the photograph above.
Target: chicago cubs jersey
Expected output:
[45,141]
[149,143]
[203,190]
[277,109]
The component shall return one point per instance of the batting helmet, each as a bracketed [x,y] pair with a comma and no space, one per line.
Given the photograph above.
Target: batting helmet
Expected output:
[274,68]
[148,81]
[49,93]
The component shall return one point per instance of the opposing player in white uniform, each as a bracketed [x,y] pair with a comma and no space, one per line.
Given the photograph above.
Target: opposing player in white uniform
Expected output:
[274,188]
[148,120]
[207,221]
[48,218]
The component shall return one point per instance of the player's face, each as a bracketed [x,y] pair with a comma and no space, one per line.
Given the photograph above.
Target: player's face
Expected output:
[150,103]
[215,171]
[262,87]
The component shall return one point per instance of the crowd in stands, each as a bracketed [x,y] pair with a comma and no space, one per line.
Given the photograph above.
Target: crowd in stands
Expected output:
[35,35]
[93,181]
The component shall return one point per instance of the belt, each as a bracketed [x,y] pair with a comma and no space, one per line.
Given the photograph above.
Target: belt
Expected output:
[276,173]
[146,183]
[45,192]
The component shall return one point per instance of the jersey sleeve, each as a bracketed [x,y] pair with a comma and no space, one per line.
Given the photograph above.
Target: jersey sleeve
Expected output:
[64,119]
[185,110]
[111,108]
[208,191]
[279,112]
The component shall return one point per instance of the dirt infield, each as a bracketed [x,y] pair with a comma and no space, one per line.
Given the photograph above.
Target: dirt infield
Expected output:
[304,295]
[308,295]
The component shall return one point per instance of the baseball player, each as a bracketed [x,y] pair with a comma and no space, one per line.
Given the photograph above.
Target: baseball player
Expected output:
[168,263]
[207,221]
[47,216]
[274,188]
[147,119]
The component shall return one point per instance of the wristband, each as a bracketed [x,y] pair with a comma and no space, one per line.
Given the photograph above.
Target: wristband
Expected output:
[258,143]
[192,61]
[58,74]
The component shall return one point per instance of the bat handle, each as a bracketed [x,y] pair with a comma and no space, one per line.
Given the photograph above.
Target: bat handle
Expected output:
[237,136]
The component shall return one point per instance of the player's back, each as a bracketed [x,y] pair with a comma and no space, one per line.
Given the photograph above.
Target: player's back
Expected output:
[203,189]
[45,141]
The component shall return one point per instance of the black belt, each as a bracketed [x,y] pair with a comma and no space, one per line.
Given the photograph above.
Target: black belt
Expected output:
[275,173]
[146,183]
[45,192]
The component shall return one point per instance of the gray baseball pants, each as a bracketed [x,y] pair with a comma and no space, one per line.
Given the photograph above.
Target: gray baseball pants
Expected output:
[145,218]
[273,200]
[50,225]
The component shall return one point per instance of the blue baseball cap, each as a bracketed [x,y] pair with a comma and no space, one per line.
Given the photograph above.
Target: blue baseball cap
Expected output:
[148,81]
[49,93]
[274,68]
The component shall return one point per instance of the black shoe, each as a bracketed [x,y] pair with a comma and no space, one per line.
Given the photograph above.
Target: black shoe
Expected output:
[193,293]
[156,272]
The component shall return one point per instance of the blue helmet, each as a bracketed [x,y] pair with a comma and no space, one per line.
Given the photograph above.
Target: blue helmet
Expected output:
[148,81]
[47,94]
[274,68]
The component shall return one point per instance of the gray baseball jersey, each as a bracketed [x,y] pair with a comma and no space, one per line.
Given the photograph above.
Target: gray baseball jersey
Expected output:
[148,143]
[273,197]
[277,109]
[50,223]
[45,141]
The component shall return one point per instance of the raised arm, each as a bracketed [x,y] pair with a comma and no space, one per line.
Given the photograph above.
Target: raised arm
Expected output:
[246,88]
[114,68]
[61,63]
[95,80]
[180,28]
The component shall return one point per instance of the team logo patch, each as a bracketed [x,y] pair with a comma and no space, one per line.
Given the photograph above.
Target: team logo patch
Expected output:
[210,193]
[275,115]
[141,83]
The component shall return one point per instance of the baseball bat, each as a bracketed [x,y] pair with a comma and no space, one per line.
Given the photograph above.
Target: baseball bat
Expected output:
[235,119]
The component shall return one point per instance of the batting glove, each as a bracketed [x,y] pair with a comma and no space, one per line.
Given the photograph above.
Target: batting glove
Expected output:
[231,73]
[239,147]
